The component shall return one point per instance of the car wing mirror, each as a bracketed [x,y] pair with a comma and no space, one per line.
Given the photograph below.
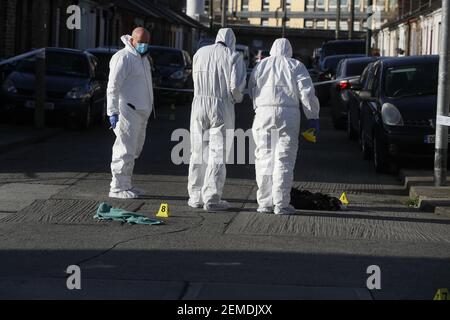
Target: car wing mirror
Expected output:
[366,95]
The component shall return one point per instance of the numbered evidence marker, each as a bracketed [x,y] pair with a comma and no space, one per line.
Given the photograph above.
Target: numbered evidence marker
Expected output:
[442,294]
[344,199]
[74,280]
[163,211]
[374,280]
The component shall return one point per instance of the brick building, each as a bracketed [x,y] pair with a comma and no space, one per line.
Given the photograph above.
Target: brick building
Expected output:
[27,24]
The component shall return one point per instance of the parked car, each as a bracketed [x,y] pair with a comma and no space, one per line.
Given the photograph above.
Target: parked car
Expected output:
[203,42]
[341,47]
[245,51]
[103,56]
[355,102]
[261,55]
[340,91]
[328,72]
[398,111]
[174,68]
[73,90]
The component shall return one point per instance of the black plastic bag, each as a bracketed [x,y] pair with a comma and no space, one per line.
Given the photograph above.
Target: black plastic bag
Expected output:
[305,200]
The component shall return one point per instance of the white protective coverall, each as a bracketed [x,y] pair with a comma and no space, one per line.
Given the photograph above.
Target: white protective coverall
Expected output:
[276,85]
[219,76]
[130,95]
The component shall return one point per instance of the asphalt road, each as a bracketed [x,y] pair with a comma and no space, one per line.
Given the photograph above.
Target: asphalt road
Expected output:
[49,192]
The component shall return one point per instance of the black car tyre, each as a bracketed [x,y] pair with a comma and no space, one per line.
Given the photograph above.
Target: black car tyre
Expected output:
[380,156]
[351,134]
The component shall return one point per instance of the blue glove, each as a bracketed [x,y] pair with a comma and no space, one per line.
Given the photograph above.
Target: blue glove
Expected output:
[113,120]
[314,124]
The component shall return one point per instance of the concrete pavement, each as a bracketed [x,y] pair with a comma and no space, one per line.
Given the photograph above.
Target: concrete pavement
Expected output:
[49,193]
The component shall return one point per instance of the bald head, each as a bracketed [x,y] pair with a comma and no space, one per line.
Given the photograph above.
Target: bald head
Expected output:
[140,35]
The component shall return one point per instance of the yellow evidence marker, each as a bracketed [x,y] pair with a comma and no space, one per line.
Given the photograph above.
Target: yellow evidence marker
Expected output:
[442,294]
[163,211]
[309,135]
[344,199]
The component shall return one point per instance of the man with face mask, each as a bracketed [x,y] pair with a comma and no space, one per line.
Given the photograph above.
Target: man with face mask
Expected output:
[219,76]
[277,85]
[130,103]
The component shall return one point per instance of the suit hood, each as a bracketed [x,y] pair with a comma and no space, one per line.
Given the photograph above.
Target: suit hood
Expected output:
[281,47]
[126,41]
[226,35]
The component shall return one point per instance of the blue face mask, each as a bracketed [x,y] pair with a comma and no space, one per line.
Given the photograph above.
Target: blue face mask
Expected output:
[142,48]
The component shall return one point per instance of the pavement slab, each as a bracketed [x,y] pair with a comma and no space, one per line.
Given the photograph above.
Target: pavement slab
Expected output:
[341,226]
[17,196]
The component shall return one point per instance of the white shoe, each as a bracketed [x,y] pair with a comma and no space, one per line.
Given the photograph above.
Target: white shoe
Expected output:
[195,205]
[123,195]
[289,210]
[221,206]
[267,210]
[137,191]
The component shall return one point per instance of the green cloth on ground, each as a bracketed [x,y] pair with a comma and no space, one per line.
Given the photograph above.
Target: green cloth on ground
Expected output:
[107,212]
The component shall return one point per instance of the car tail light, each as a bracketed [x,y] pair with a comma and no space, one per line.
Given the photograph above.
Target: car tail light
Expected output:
[344,85]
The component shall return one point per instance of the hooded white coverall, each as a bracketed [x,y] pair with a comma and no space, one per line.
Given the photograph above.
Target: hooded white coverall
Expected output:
[276,86]
[130,95]
[219,76]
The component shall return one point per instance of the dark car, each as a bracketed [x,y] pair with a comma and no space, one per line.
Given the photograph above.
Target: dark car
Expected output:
[340,91]
[73,92]
[328,72]
[103,56]
[354,104]
[174,67]
[398,111]
[341,47]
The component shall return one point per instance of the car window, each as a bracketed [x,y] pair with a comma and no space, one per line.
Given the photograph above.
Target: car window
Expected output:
[339,69]
[103,62]
[376,81]
[365,75]
[371,78]
[60,63]
[420,79]
[167,58]
[355,68]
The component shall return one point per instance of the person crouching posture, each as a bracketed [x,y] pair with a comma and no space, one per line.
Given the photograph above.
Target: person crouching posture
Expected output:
[276,86]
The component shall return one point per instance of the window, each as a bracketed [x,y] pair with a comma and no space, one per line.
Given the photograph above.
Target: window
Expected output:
[310,5]
[309,24]
[331,24]
[412,80]
[320,24]
[244,5]
[264,22]
[265,5]
[288,4]
[320,5]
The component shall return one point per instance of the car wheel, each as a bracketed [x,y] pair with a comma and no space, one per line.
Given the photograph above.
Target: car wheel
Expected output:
[366,150]
[351,134]
[380,156]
